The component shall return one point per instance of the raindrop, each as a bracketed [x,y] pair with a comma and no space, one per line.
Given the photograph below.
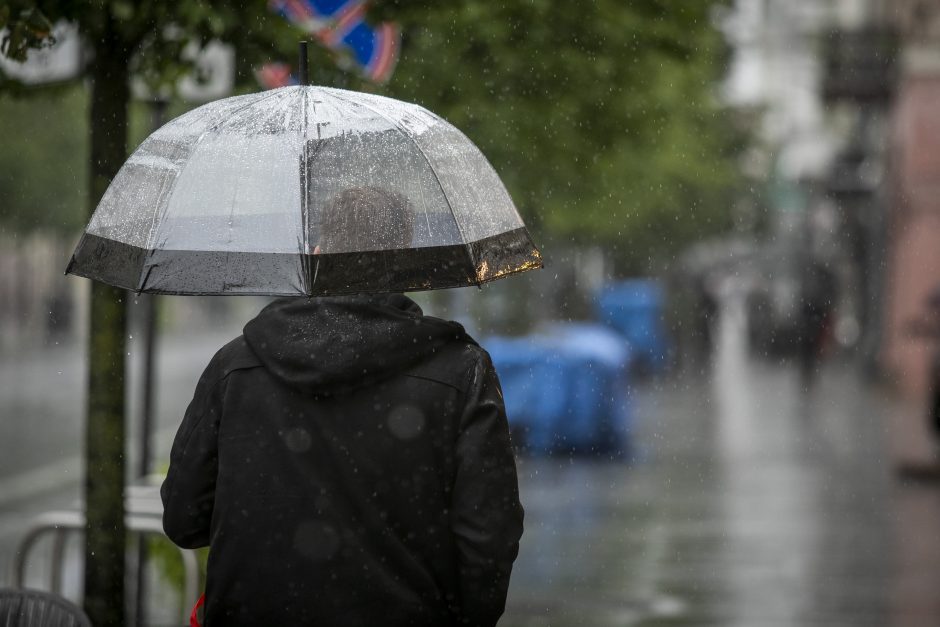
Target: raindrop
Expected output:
[298,440]
[406,422]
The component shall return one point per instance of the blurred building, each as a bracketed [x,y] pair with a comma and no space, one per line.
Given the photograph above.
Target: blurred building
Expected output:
[913,248]
[843,97]
[775,73]
[815,77]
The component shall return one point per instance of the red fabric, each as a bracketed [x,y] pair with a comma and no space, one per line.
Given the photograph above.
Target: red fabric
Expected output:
[194,617]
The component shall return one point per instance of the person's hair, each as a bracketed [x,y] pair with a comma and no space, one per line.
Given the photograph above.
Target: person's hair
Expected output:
[366,218]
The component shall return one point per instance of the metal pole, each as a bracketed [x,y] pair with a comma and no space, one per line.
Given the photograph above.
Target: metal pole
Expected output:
[147,306]
[302,74]
[57,557]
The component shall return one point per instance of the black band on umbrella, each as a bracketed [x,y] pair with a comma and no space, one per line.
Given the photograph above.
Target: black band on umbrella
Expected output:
[108,261]
[283,274]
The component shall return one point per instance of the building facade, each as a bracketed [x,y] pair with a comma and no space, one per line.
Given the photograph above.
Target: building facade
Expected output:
[913,246]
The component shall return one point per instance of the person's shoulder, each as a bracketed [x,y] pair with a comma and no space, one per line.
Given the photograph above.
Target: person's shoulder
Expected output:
[235,355]
[453,364]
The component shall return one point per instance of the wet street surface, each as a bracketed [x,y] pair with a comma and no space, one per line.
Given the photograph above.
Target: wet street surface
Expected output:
[748,501]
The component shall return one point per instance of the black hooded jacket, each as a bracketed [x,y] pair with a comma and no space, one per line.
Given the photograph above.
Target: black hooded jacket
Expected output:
[348,462]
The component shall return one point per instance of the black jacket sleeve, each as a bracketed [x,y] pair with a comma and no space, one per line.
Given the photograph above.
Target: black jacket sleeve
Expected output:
[188,492]
[487,514]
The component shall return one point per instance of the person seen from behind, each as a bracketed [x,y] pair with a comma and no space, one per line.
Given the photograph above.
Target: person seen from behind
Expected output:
[347,459]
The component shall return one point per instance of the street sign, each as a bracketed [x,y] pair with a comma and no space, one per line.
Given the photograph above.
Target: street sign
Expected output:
[340,25]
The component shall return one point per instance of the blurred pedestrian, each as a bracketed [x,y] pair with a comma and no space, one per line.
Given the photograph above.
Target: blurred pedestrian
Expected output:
[709,311]
[933,332]
[348,460]
[928,328]
[816,306]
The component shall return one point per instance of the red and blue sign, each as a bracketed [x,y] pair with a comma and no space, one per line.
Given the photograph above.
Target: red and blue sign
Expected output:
[340,25]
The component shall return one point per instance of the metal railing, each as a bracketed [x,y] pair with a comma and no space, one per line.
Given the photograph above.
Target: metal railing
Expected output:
[143,517]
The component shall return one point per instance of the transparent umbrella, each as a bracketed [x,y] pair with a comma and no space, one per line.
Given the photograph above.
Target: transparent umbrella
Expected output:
[304,191]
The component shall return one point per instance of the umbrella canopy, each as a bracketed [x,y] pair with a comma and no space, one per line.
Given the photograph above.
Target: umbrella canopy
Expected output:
[304,191]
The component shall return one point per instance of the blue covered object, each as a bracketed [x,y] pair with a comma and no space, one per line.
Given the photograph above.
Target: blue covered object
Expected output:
[566,389]
[635,309]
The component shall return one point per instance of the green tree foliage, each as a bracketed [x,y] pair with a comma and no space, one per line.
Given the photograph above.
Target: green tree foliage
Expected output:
[600,116]
[44,160]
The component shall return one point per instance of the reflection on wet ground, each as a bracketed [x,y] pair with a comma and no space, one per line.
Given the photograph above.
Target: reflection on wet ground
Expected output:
[748,503]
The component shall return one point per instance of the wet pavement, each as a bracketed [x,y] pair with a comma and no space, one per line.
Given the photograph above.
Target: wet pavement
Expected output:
[749,501]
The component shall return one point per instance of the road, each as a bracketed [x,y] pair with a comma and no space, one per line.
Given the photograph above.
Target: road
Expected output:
[749,502]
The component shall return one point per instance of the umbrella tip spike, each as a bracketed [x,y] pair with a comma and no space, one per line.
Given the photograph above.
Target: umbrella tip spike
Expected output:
[302,70]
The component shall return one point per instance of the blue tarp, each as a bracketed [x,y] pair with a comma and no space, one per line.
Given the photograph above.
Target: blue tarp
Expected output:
[635,309]
[566,389]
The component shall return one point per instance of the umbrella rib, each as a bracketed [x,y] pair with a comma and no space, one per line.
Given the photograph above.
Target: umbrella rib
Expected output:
[166,191]
[404,132]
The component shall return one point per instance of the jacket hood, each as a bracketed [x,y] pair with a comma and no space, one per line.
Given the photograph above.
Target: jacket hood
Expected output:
[329,345]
